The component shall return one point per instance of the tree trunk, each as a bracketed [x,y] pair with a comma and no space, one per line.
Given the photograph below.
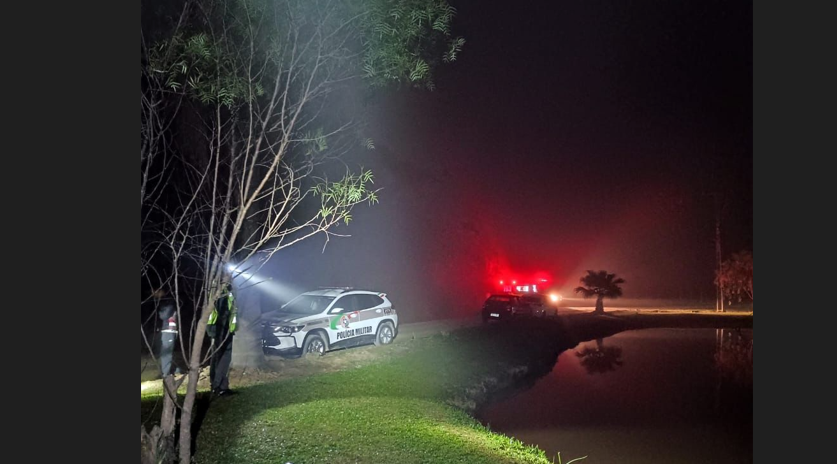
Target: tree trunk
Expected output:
[186,413]
[148,444]
[247,350]
[247,344]
[719,305]
[185,444]
[157,446]
[599,305]
[168,419]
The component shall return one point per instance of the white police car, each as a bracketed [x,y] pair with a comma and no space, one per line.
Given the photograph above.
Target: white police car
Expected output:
[327,319]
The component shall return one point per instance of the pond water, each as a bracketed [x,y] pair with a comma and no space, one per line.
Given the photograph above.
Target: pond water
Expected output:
[645,396]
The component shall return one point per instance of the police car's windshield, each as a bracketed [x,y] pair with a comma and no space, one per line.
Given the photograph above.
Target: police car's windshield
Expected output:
[307,304]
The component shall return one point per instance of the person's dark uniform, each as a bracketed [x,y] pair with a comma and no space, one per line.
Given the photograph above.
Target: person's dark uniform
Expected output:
[167,313]
[221,328]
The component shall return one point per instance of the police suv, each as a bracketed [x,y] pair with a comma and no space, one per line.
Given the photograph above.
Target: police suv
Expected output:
[331,318]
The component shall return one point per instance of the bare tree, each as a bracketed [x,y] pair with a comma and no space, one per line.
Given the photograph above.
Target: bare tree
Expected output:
[254,87]
[736,277]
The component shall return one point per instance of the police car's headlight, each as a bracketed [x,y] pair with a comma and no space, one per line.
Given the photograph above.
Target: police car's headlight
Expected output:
[291,328]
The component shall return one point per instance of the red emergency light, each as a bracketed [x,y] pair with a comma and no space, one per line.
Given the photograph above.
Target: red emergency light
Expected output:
[536,284]
[524,286]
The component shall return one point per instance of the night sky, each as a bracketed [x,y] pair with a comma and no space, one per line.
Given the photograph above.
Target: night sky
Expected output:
[569,135]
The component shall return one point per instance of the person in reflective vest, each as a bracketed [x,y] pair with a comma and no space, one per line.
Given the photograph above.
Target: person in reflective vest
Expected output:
[167,312]
[221,328]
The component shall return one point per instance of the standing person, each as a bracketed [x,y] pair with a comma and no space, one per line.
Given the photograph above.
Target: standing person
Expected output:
[221,328]
[167,313]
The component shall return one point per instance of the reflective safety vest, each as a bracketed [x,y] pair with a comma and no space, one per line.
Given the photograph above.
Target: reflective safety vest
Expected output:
[213,318]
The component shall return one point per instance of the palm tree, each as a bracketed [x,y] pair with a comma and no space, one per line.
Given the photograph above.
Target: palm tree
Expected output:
[601,285]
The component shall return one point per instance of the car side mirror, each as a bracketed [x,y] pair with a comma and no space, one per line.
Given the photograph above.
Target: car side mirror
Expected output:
[336,310]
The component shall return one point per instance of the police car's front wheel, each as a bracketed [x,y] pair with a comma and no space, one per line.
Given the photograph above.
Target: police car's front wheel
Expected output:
[386,333]
[314,345]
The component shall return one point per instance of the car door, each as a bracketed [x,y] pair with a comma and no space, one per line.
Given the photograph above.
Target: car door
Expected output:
[341,316]
[371,314]
[353,316]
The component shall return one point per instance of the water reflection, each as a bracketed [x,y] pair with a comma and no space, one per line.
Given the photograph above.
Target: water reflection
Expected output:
[600,359]
[648,396]
[734,355]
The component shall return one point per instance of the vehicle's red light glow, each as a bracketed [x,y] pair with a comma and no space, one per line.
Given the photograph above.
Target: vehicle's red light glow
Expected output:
[527,285]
